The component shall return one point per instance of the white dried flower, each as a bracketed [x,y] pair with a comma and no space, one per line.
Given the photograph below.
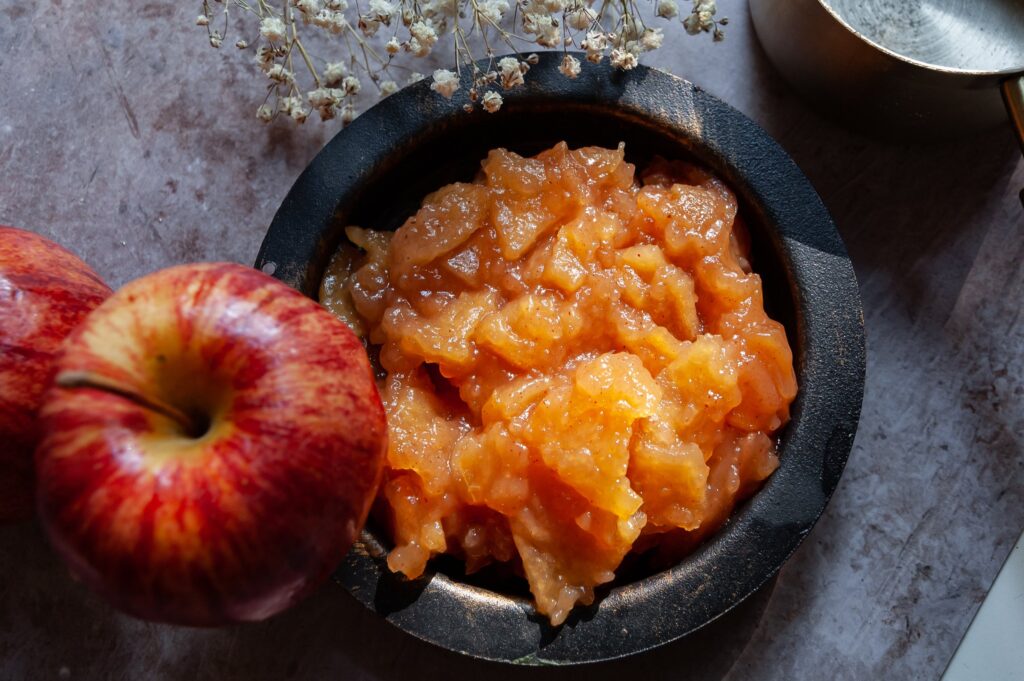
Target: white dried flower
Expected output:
[264,57]
[414,77]
[292,106]
[324,96]
[279,74]
[324,100]
[619,34]
[651,39]
[308,9]
[547,30]
[446,83]
[334,72]
[351,85]
[379,14]
[492,10]
[383,10]
[623,59]
[511,72]
[272,29]
[491,101]
[570,66]
[595,45]
[581,18]
[439,12]
[701,18]
[331,20]
[667,9]
[424,37]
[265,113]
[368,25]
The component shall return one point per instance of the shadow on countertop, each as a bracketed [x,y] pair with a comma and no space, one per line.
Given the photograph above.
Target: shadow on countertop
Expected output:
[330,635]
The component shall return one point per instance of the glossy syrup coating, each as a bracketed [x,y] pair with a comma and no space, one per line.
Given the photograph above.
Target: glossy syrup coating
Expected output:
[577,363]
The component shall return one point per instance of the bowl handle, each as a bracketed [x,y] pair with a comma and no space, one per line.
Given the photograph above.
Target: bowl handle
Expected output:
[1013,96]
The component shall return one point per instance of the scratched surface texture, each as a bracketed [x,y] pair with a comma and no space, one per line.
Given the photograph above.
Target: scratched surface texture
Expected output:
[126,138]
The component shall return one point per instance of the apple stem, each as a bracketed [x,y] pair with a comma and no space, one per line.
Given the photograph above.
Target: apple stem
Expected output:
[81,379]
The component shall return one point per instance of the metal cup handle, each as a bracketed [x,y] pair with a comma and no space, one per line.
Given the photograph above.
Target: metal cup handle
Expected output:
[1013,96]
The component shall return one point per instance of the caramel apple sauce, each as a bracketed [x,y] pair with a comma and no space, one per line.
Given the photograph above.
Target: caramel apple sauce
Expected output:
[576,363]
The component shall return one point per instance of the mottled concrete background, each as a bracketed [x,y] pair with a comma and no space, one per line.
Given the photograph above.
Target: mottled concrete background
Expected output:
[123,136]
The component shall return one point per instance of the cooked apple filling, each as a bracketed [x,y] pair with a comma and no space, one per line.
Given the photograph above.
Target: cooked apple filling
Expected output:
[577,362]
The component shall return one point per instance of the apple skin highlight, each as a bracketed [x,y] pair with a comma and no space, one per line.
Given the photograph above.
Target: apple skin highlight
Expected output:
[212,446]
[45,291]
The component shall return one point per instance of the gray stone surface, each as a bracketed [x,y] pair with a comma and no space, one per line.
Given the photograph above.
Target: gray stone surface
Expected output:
[123,136]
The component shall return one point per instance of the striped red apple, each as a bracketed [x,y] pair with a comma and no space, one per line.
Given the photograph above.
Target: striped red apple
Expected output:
[45,291]
[212,446]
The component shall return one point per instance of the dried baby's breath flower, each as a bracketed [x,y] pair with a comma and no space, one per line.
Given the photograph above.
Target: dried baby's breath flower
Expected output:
[333,73]
[351,85]
[331,20]
[491,101]
[667,9]
[325,98]
[265,113]
[580,17]
[492,11]
[595,45]
[446,83]
[415,77]
[292,106]
[424,37]
[272,29]
[702,19]
[570,66]
[373,37]
[651,39]
[379,14]
[511,72]
[348,114]
[307,8]
[545,27]
[280,74]
[623,59]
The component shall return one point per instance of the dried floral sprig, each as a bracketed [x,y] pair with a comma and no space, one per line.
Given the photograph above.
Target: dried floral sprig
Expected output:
[373,35]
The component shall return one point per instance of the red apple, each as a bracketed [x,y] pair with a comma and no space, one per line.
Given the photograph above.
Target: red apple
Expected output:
[212,446]
[44,292]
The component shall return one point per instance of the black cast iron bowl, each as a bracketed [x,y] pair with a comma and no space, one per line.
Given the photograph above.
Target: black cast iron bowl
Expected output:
[376,172]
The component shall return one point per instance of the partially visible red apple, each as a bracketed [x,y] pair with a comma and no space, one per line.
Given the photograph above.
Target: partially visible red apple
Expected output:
[45,291]
[212,446]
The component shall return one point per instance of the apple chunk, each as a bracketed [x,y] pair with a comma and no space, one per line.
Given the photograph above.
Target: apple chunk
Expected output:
[211,447]
[45,291]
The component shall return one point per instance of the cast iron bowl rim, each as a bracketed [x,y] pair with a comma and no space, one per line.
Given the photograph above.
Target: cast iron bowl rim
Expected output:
[764,531]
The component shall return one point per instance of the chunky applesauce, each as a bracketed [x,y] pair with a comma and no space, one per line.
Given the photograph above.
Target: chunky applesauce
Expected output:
[576,361]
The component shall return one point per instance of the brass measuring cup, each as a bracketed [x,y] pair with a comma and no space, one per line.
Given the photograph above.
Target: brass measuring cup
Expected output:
[920,68]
